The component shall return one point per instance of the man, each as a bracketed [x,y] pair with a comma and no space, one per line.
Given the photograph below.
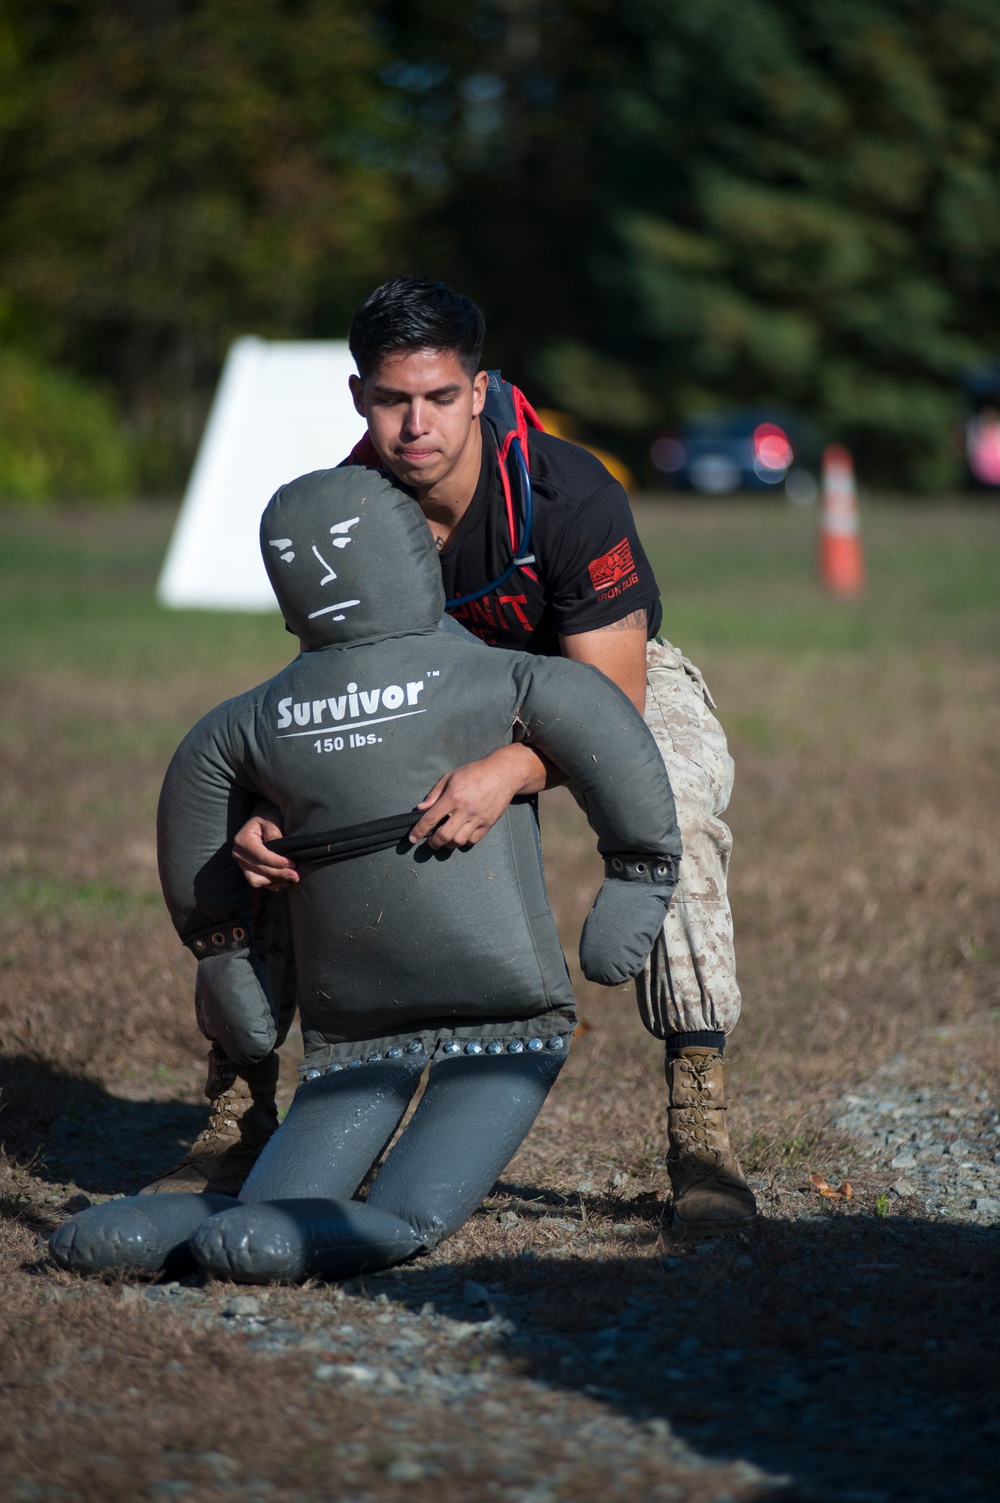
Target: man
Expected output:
[589,595]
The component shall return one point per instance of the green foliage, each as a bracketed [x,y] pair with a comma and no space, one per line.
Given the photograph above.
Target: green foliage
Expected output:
[59,438]
[173,176]
[594,387]
[742,201]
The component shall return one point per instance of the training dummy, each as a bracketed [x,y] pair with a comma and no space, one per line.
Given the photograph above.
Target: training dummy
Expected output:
[404,957]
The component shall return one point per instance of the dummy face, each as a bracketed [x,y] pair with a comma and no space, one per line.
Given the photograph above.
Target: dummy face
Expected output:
[349,557]
[420,407]
[315,572]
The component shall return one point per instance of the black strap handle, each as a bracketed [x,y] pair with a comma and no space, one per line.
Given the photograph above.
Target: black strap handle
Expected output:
[352,840]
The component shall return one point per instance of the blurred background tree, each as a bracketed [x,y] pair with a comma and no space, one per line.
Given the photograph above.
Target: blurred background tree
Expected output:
[174,173]
[671,207]
[664,206]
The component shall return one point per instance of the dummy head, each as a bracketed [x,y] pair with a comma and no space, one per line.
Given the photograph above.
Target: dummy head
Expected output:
[350,558]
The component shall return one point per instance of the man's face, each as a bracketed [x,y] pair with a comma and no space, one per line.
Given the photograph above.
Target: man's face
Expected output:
[420,406]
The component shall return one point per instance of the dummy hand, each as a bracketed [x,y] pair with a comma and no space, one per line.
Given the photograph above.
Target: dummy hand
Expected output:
[621,928]
[234,1007]
[261,867]
[464,804]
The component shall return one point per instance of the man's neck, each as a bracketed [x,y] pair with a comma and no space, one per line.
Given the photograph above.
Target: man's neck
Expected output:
[445,503]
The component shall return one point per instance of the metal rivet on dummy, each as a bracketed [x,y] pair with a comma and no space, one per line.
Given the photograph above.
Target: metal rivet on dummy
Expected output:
[515,1047]
[473,1047]
[394,1052]
[616,865]
[373,1059]
[313,1074]
[534,1045]
[199,944]
[496,1047]
[452,1047]
[555,1043]
[354,1065]
[661,871]
[218,939]
[415,1046]
[640,867]
[331,1068]
[239,933]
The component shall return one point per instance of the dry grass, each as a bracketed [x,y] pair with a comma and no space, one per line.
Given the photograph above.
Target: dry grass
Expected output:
[865,890]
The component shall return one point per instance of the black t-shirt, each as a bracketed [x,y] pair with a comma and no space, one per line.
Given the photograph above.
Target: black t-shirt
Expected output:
[590,569]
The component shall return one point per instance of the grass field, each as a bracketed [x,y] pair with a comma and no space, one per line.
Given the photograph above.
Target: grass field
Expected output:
[865,889]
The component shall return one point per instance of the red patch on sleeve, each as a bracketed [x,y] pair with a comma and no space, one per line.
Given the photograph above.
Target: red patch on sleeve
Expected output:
[612,566]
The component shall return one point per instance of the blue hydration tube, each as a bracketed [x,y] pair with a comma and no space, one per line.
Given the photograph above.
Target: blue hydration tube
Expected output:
[521,554]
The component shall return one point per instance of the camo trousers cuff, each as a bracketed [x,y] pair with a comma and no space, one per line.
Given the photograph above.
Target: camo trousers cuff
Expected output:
[689,981]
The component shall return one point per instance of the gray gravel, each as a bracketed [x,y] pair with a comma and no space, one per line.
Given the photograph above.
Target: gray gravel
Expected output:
[464,1349]
[937,1144]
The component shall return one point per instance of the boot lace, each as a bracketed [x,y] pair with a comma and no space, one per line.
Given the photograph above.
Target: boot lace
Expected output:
[696,1120]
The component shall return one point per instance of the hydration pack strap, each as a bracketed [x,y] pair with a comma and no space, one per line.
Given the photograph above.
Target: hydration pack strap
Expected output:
[513,415]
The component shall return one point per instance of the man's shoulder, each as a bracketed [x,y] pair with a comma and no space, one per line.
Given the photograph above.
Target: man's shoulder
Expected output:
[566,470]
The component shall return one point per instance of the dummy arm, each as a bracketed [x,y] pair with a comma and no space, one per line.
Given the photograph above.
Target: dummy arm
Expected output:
[202,804]
[591,730]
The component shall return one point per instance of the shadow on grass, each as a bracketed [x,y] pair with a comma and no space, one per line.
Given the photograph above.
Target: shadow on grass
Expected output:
[71,1131]
[858,1355]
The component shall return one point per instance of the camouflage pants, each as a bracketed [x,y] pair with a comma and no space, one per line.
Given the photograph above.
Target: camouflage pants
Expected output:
[689,982]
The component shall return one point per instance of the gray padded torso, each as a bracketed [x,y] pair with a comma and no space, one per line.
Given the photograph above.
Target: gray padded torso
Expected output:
[387,940]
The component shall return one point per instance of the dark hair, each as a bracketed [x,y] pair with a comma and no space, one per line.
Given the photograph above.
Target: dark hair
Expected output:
[414,313]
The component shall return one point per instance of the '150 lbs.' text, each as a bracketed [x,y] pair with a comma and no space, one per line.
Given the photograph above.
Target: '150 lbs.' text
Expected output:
[356,740]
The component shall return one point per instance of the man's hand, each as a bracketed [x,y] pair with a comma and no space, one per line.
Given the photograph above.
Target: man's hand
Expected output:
[261,867]
[464,804]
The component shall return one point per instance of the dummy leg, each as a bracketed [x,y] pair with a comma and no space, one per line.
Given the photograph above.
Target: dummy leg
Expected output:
[335,1130]
[471,1119]
[297,1219]
[688,994]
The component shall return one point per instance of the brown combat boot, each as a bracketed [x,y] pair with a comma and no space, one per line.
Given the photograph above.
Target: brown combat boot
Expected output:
[243,1118]
[710,1193]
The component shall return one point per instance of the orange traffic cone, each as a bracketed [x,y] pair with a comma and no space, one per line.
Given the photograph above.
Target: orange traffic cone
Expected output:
[841,565]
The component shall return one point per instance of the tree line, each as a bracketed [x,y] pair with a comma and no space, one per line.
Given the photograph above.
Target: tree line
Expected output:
[663,206]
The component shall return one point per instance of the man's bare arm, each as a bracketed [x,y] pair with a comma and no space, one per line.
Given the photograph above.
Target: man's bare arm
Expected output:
[618,650]
[465,804]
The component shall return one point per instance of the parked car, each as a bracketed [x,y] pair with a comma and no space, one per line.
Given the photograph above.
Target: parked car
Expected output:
[718,454]
[982,427]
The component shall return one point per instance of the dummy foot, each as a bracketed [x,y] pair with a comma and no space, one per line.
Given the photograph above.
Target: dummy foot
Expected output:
[286,1240]
[137,1235]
